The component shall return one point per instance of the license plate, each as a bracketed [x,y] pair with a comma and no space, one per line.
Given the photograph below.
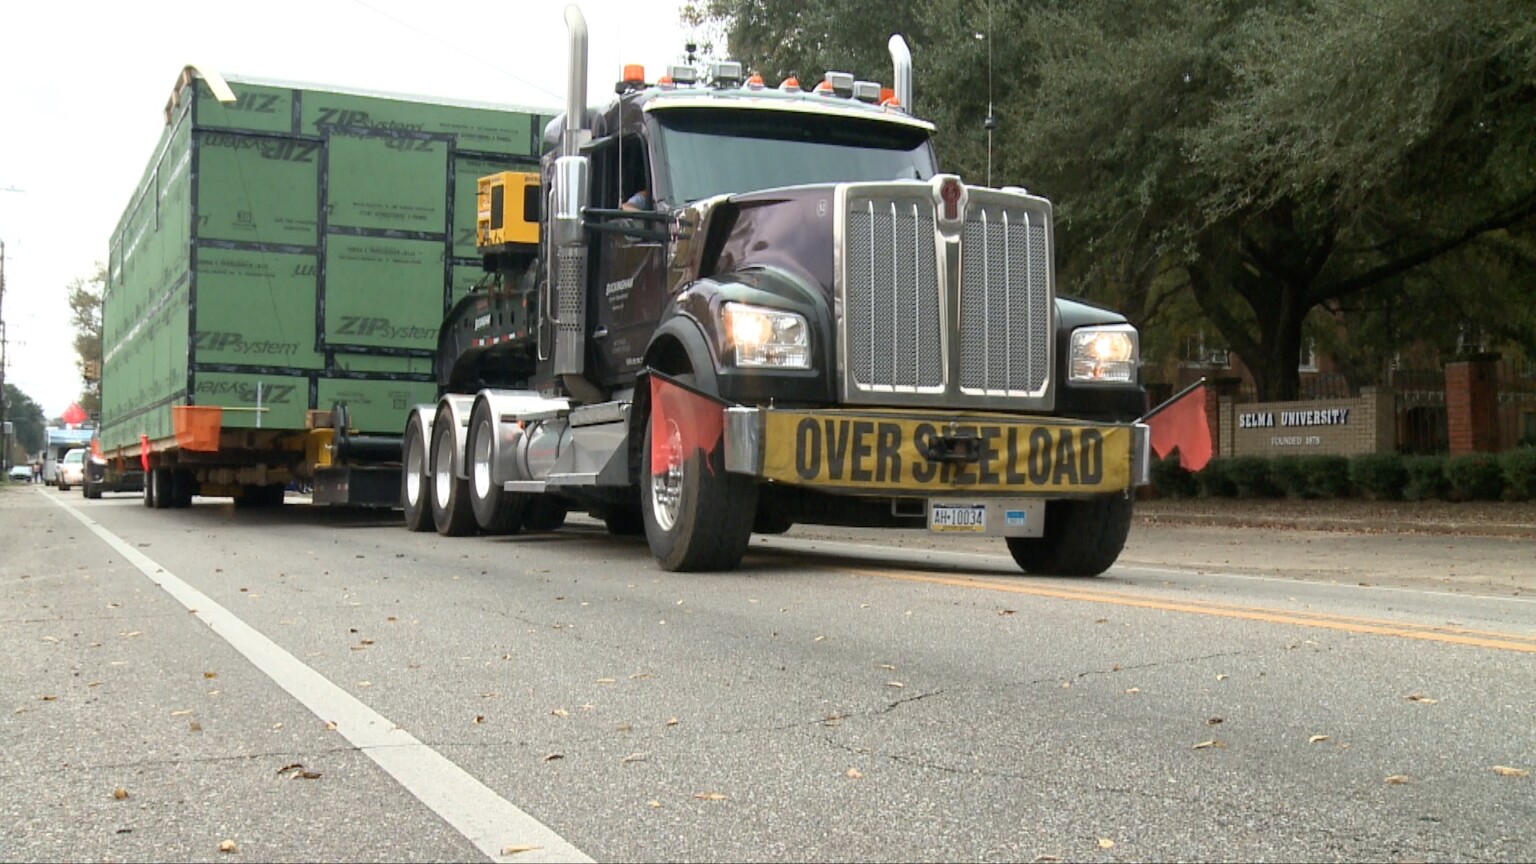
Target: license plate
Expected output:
[958,517]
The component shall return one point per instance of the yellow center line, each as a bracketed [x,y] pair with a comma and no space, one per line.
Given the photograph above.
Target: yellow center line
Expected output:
[1372,626]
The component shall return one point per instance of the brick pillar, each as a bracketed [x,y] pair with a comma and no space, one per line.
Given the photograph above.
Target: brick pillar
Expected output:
[1472,406]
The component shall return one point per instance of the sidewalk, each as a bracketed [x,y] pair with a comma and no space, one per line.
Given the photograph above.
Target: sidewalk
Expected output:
[1472,518]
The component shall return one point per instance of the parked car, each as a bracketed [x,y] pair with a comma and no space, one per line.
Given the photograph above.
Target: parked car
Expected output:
[72,469]
[20,473]
[98,479]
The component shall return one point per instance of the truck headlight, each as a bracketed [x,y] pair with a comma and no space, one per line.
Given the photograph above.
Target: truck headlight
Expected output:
[766,337]
[1106,353]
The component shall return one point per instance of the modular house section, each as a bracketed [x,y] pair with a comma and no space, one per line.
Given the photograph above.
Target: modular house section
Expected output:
[292,248]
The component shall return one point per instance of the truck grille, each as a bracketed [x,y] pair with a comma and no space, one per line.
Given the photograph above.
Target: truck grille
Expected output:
[957,314]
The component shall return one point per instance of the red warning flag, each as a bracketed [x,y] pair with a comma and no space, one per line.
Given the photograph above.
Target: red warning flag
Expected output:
[698,421]
[1181,425]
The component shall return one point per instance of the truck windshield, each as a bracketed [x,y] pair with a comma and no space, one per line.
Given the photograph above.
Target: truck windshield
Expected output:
[714,151]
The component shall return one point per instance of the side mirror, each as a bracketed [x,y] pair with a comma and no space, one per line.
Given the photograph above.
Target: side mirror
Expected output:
[567,198]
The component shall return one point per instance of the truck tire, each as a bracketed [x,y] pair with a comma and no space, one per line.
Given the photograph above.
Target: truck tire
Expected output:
[149,489]
[183,484]
[63,487]
[257,497]
[1082,538]
[415,481]
[451,511]
[159,483]
[497,511]
[90,490]
[697,515]
[544,513]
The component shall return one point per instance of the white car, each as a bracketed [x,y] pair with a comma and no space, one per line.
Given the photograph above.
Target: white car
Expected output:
[72,469]
[21,473]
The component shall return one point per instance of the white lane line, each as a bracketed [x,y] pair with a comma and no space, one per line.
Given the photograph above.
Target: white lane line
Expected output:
[486,819]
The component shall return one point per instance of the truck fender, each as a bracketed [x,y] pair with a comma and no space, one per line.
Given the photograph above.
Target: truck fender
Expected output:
[681,331]
[507,407]
[458,406]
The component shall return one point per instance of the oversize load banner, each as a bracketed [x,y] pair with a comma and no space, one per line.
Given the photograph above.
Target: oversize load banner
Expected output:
[886,453]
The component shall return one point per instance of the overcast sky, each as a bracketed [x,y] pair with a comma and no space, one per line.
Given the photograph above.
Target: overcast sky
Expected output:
[83,85]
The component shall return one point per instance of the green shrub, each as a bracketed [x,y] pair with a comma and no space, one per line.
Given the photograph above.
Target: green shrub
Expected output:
[1172,481]
[1475,477]
[1327,476]
[1250,474]
[1214,480]
[1379,475]
[1288,477]
[1426,478]
[1520,473]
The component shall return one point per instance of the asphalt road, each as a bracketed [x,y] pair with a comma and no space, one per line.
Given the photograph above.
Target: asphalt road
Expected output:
[1220,694]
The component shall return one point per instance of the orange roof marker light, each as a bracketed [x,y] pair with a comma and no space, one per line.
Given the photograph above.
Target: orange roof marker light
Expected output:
[790,85]
[634,73]
[755,82]
[888,98]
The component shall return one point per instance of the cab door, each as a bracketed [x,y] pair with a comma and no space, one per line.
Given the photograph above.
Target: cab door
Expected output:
[628,287]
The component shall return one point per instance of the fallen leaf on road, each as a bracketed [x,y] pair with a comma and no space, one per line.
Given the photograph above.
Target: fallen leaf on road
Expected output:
[1316,738]
[897,684]
[639,676]
[1506,771]
[518,850]
[50,698]
[605,680]
[194,726]
[479,718]
[1134,690]
[180,713]
[672,721]
[1213,721]
[1206,745]
[1005,611]
[228,846]
[132,633]
[307,775]
[1221,677]
[623,727]
[120,794]
[855,774]
[1420,697]
[1399,780]
[1106,843]
[330,726]
[635,757]
[210,674]
[709,796]
[888,667]
[654,803]
[291,766]
[560,712]
[276,726]
[553,756]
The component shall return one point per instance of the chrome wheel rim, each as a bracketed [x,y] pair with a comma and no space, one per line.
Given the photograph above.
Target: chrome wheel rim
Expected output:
[667,487]
[481,463]
[415,468]
[442,473]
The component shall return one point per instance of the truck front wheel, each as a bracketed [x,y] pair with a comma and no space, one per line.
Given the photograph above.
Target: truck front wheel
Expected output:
[451,510]
[697,515]
[497,511]
[1082,538]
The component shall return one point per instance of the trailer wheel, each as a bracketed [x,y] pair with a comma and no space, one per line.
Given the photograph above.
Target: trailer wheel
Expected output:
[1082,538]
[414,481]
[452,514]
[160,482]
[182,486]
[497,511]
[149,488]
[697,515]
[90,490]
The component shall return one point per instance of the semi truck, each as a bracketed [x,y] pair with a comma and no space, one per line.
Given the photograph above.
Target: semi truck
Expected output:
[275,285]
[807,322]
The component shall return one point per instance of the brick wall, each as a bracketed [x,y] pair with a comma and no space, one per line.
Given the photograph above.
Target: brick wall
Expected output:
[1472,406]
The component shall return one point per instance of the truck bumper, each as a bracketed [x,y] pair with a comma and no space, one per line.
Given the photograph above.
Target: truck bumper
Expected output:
[931,453]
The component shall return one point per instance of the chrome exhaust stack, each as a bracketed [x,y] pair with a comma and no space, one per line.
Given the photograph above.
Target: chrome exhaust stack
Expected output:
[901,59]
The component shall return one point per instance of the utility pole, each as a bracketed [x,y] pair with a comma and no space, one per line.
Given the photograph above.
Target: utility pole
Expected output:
[5,440]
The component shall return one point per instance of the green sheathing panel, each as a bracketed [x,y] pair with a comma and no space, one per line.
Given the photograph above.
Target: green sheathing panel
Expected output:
[387,184]
[377,407]
[311,239]
[378,363]
[256,309]
[145,301]
[258,189]
[257,108]
[279,401]
[383,293]
[482,129]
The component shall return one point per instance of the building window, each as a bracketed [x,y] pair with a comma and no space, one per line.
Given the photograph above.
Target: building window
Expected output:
[1308,357]
[1199,353]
